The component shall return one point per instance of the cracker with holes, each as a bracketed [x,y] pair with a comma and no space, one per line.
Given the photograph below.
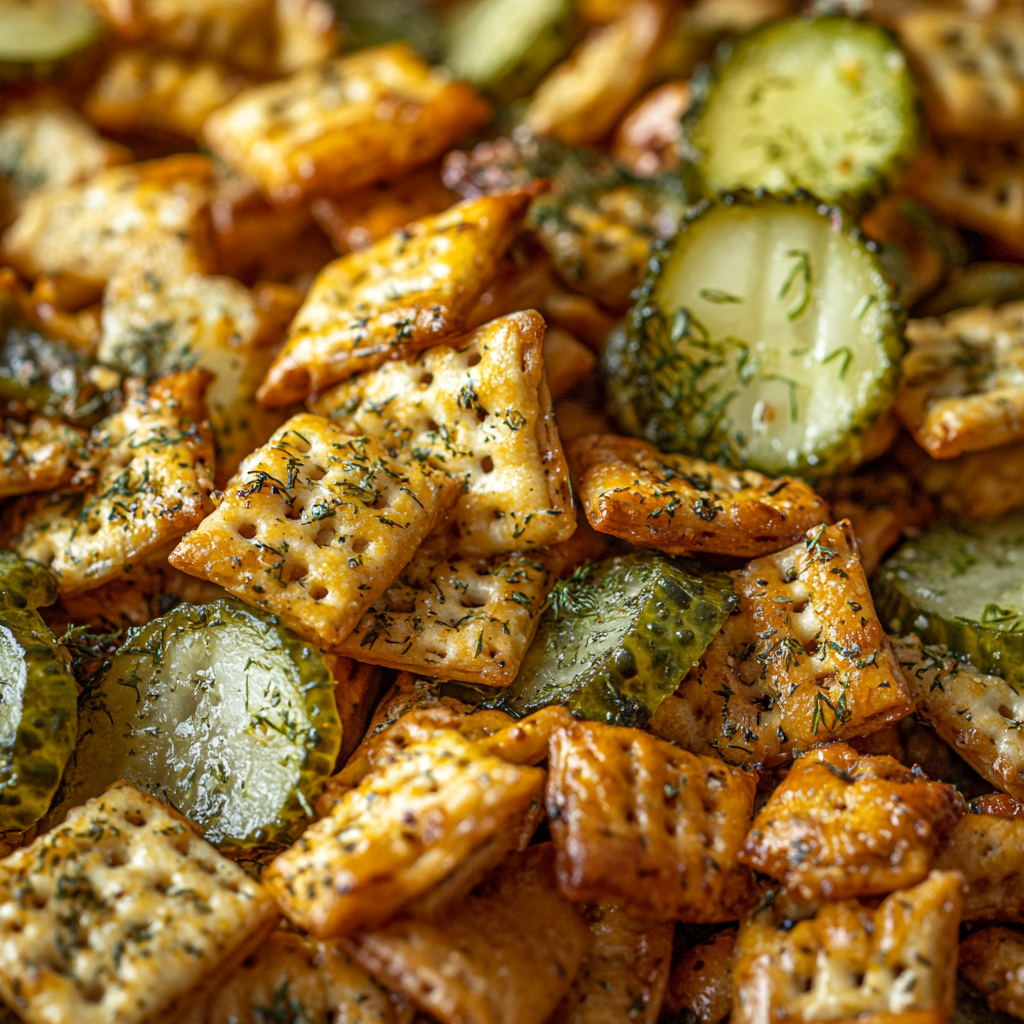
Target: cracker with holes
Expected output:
[962,387]
[421,810]
[479,410]
[152,463]
[992,962]
[641,824]
[411,290]
[896,963]
[39,455]
[351,122]
[157,211]
[122,913]
[803,659]
[842,826]
[315,526]
[684,505]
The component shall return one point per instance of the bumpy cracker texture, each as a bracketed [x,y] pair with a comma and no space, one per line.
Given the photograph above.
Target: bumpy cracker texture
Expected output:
[122,913]
[992,961]
[39,455]
[152,462]
[407,292]
[842,826]
[702,980]
[348,123]
[480,412]
[683,505]
[418,814]
[802,660]
[641,824]
[850,961]
[316,525]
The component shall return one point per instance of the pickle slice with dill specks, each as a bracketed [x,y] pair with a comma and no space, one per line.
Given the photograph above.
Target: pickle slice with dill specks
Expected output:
[962,586]
[37,717]
[764,336]
[826,105]
[25,584]
[619,635]
[221,711]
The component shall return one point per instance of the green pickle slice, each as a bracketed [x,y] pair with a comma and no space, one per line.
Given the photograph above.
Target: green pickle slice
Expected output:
[618,637]
[40,31]
[961,585]
[25,584]
[220,710]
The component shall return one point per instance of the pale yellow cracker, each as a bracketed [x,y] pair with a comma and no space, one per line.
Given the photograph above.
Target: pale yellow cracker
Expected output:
[992,962]
[407,292]
[152,464]
[39,455]
[346,124]
[801,661]
[315,526]
[481,412]
[122,913]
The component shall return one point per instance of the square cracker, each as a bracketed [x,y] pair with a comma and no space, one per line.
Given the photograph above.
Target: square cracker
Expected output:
[479,410]
[152,463]
[802,659]
[315,526]
[990,962]
[407,292]
[348,123]
[39,455]
[122,913]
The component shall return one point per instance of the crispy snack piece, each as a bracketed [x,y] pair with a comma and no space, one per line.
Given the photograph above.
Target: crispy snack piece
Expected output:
[152,463]
[347,124]
[684,505]
[992,961]
[641,824]
[647,138]
[356,690]
[480,411]
[842,826]
[625,973]
[157,212]
[417,815]
[122,913]
[316,525]
[406,293]
[896,963]
[39,455]
[147,89]
[505,955]
[802,660]
[462,619]
[974,713]
[701,982]
[566,361]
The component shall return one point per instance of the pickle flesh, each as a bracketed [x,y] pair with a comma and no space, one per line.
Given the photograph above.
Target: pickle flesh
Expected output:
[25,584]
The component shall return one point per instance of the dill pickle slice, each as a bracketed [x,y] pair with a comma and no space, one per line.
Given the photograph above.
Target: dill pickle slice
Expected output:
[827,105]
[41,31]
[764,336]
[38,715]
[961,585]
[25,584]
[221,711]
[619,635]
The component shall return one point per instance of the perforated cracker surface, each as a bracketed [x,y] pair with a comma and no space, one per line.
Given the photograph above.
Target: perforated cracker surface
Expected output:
[39,455]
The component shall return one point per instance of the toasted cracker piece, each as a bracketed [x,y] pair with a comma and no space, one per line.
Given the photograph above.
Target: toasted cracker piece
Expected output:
[976,714]
[962,388]
[683,505]
[566,361]
[580,315]
[122,913]
[356,690]
[406,293]
[152,462]
[153,325]
[896,963]
[992,961]
[409,823]
[641,824]
[702,980]
[347,124]
[625,973]
[316,525]
[802,660]
[157,212]
[460,619]
[578,419]
[999,804]
[505,955]
[970,69]
[647,138]
[480,411]
[842,826]
[142,89]
[39,455]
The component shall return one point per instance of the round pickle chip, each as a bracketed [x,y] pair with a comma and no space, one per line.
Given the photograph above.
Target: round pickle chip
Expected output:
[221,711]
[41,31]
